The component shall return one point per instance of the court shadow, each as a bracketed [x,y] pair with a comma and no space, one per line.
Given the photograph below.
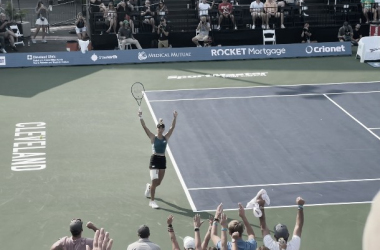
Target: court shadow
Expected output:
[28,82]
[307,91]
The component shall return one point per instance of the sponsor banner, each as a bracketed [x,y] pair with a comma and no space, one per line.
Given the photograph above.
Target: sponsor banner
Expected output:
[174,54]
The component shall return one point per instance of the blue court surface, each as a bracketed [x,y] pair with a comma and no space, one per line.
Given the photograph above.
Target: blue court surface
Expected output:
[321,142]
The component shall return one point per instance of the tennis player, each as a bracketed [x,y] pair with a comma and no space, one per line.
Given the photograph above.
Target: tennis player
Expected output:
[157,164]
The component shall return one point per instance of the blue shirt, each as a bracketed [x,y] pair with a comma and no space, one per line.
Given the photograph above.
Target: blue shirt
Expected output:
[242,245]
[159,146]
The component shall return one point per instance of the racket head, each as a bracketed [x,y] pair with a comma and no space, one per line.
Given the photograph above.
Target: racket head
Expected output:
[138,90]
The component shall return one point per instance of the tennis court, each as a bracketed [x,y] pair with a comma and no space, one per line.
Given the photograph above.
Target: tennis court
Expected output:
[242,126]
[318,141]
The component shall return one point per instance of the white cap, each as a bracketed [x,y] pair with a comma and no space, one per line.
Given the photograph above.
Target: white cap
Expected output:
[188,242]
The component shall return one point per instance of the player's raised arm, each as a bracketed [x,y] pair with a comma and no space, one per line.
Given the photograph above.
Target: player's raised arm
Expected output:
[169,133]
[147,131]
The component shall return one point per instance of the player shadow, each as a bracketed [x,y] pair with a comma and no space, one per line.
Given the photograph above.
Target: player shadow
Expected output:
[176,209]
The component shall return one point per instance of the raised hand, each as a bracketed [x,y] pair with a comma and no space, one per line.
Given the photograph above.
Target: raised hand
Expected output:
[175,114]
[169,221]
[102,241]
[241,211]
[219,211]
[235,235]
[197,221]
[223,220]
[300,201]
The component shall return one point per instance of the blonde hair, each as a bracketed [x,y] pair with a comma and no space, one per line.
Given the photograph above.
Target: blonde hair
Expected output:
[161,123]
[235,226]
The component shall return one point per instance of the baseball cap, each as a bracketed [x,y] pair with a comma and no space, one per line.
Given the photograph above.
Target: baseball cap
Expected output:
[76,225]
[281,231]
[143,231]
[188,242]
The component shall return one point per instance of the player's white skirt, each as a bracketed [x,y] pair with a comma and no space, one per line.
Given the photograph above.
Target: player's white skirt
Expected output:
[40,22]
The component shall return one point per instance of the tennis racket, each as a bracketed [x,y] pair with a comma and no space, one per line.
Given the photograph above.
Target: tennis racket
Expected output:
[138,91]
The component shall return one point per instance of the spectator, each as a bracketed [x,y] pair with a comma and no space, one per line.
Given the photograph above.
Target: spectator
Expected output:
[368,6]
[148,15]
[357,34]
[203,29]
[41,21]
[281,233]
[161,11]
[6,33]
[131,23]
[306,34]
[204,8]
[102,241]
[110,16]
[95,5]
[125,7]
[125,35]
[2,44]
[372,226]
[257,11]
[163,34]
[80,26]
[143,243]
[345,33]
[271,10]
[225,12]
[233,226]
[75,242]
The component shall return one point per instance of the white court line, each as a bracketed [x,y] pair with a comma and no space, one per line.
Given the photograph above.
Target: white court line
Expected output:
[285,184]
[361,124]
[308,205]
[192,205]
[373,128]
[266,86]
[263,96]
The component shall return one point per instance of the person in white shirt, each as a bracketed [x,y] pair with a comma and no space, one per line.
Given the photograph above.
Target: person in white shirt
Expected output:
[257,11]
[204,8]
[281,233]
[203,32]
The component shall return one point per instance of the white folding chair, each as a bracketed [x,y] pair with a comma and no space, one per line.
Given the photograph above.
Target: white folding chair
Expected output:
[269,36]
[15,30]
[127,45]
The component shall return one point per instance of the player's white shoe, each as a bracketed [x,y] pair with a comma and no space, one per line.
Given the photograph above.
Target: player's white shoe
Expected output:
[147,190]
[153,204]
